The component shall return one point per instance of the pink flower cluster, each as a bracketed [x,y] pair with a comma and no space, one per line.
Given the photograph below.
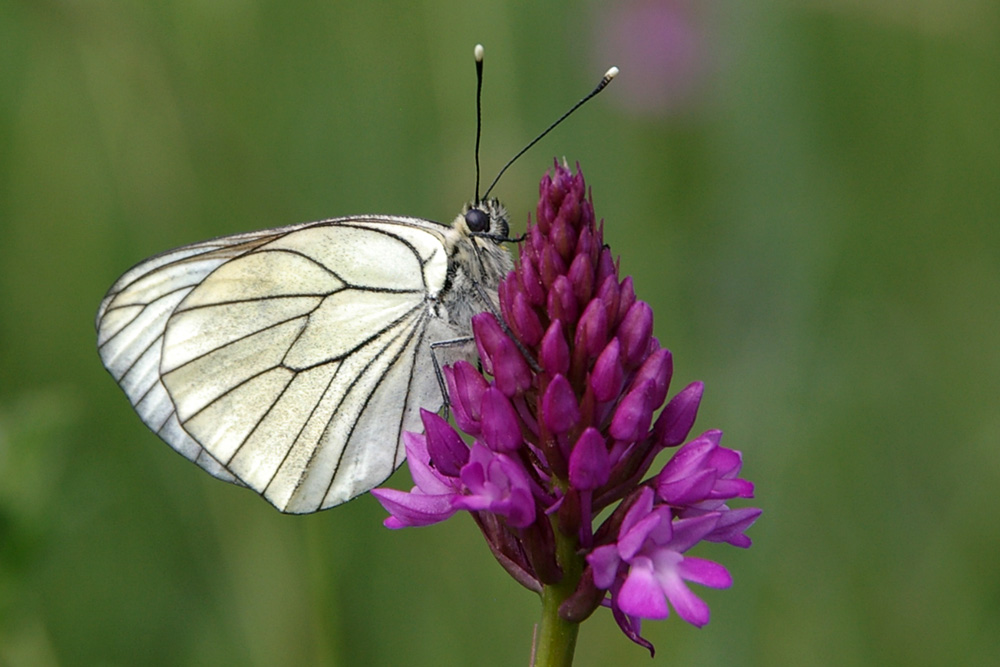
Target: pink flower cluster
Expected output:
[562,418]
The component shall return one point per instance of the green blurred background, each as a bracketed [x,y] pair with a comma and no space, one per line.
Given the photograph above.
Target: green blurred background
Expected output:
[806,192]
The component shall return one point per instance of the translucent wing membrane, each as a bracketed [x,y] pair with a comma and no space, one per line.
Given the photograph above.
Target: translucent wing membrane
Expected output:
[288,360]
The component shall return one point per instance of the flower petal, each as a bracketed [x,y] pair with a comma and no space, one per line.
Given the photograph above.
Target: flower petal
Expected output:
[592,329]
[604,560]
[445,448]
[501,429]
[607,376]
[510,370]
[581,271]
[732,525]
[630,542]
[687,490]
[634,332]
[658,368]
[641,506]
[640,594]
[525,320]
[530,281]
[414,509]
[465,388]
[589,463]
[552,267]
[689,531]
[704,572]
[488,334]
[688,605]
[678,417]
[554,350]
[562,301]
[559,408]
[633,414]
[427,478]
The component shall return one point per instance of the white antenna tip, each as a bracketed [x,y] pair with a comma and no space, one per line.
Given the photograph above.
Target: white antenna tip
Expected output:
[611,73]
[478,52]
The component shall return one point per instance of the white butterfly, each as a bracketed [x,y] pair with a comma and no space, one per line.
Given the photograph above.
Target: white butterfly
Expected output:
[291,360]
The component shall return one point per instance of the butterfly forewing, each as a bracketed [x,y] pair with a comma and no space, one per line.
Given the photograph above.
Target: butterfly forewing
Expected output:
[289,360]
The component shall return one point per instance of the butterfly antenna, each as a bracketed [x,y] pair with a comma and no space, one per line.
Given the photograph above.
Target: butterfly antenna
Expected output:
[605,80]
[478,53]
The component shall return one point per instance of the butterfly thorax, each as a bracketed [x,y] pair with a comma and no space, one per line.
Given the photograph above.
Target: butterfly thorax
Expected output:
[478,261]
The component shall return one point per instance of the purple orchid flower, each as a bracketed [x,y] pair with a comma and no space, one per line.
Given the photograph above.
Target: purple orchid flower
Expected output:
[564,425]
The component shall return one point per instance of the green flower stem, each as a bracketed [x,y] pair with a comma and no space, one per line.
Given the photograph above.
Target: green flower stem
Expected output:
[556,639]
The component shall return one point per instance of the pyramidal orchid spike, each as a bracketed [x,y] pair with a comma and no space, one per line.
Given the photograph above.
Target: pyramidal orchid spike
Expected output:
[562,419]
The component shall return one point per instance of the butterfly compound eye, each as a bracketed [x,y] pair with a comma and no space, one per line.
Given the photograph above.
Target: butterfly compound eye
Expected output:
[477,220]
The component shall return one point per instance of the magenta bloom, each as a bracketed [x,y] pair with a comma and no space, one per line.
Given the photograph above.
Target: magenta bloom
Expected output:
[567,420]
[664,46]
[648,565]
[459,479]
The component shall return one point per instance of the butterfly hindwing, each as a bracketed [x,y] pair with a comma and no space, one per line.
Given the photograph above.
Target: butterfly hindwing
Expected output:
[130,325]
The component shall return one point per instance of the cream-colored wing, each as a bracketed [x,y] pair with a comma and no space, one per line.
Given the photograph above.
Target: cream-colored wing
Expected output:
[130,325]
[294,364]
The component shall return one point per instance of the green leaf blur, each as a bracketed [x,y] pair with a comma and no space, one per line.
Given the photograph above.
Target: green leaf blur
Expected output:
[815,226]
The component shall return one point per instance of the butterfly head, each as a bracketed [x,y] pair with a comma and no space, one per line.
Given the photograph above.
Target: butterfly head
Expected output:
[487,218]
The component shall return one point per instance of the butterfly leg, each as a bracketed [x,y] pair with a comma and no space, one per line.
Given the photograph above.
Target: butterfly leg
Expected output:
[443,345]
